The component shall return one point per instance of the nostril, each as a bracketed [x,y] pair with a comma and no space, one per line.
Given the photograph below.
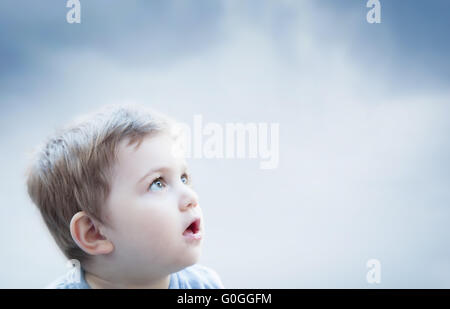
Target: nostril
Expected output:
[188,199]
[191,205]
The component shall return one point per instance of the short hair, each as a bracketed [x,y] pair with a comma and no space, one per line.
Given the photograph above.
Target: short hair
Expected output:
[71,171]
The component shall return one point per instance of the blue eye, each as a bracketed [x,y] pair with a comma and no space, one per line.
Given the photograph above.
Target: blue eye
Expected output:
[157,185]
[185,178]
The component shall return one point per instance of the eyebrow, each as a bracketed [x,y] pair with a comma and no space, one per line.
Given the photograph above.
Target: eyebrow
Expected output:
[160,169]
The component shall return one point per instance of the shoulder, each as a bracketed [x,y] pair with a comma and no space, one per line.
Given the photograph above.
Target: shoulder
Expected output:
[197,277]
[70,280]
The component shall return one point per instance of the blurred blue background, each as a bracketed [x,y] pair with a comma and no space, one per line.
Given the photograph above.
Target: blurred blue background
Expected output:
[363,110]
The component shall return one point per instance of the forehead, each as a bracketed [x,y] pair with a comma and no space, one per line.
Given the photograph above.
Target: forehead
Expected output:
[153,152]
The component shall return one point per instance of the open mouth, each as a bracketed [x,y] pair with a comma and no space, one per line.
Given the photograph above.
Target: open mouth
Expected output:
[193,228]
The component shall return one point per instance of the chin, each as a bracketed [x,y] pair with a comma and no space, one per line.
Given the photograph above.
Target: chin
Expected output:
[190,258]
[194,257]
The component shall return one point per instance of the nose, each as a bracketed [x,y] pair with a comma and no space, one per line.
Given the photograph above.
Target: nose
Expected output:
[188,199]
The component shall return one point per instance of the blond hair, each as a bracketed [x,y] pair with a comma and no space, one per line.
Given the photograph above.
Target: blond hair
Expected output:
[72,170]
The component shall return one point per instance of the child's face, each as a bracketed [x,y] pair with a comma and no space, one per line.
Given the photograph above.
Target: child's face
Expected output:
[150,206]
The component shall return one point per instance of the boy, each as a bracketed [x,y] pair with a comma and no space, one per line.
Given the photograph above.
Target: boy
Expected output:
[116,198]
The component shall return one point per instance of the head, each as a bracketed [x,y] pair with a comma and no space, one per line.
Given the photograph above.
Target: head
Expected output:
[115,196]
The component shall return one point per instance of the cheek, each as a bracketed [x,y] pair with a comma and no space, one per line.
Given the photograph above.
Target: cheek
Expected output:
[156,224]
[147,226]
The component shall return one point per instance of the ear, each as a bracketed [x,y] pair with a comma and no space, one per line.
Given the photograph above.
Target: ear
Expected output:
[88,236]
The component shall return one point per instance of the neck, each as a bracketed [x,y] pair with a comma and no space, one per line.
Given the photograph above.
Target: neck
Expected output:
[96,282]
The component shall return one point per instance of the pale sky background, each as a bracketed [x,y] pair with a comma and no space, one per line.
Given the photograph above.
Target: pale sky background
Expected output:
[363,109]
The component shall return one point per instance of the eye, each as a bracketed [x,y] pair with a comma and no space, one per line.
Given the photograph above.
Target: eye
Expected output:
[157,185]
[185,178]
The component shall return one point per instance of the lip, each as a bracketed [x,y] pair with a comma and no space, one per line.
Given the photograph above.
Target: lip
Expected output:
[196,234]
